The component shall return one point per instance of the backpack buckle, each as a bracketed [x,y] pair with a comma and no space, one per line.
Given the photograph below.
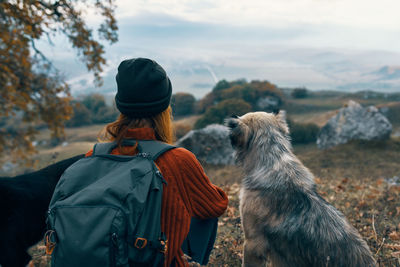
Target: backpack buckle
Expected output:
[164,246]
[140,242]
[50,241]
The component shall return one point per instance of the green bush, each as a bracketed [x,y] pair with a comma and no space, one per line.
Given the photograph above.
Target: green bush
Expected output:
[393,114]
[94,102]
[250,92]
[91,110]
[221,85]
[81,116]
[302,133]
[182,104]
[222,110]
[206,102]
[299,93]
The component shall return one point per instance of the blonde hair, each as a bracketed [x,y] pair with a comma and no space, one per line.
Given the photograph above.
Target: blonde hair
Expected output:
[161,123]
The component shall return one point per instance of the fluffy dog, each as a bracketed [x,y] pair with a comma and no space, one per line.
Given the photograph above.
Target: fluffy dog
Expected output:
[24,200]
[284,219]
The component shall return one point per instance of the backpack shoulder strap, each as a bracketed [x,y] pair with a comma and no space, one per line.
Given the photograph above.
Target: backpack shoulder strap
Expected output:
[154,148]
[106,148]
[103,148]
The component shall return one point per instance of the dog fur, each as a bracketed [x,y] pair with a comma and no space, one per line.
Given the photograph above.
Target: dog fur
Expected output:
[285,221]
[24,200]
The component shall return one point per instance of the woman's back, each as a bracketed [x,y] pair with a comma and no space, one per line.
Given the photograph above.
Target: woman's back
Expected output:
[188,193]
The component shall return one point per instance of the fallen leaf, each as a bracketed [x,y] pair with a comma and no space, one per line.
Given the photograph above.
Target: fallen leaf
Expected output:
[393,246]
[396,254]
[394,235]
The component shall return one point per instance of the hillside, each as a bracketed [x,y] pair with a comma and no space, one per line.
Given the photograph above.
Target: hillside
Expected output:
[354,177]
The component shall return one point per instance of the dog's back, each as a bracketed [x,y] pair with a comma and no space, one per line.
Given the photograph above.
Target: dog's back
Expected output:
[312,233]
[24,200]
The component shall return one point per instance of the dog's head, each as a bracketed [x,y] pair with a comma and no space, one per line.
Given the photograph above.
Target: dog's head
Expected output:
[256,129]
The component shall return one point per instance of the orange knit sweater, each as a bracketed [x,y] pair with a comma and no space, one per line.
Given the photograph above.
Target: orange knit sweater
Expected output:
[189,193]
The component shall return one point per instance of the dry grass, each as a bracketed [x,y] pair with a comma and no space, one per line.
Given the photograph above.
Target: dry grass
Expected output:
[352,178]
[319,119]
[188,120]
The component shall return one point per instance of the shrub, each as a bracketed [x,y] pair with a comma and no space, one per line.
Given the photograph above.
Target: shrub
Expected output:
[252,92]
[182,104]
[206,102]
[394,114]
[94,102]
[91,110]
[105,114]
[81,116]
[221,85]
[302,133]
[299,93]
[222,110]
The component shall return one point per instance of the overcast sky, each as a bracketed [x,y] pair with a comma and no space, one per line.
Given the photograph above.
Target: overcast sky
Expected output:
[320,44]
[366,23]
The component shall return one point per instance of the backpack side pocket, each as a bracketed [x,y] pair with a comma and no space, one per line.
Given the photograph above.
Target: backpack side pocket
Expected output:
[87,235]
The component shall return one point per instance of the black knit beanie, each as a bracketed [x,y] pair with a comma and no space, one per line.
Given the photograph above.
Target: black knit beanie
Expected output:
[144,88]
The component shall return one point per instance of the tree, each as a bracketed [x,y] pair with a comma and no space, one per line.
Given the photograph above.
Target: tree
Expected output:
[299,93]
[81,117]
[31,88]
[92,109]
[221,111]
[221,85]
[100,112]
[182,104]
[94,103]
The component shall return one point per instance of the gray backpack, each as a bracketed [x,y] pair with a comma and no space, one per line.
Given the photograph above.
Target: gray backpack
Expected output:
[106,210]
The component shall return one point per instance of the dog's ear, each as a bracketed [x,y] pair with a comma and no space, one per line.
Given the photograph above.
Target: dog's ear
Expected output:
[283,126]
[232,122]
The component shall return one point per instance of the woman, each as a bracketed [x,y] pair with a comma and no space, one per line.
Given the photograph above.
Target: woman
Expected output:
[143,97]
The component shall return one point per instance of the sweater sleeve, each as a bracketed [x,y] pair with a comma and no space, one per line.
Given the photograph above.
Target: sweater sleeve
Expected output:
[206,200]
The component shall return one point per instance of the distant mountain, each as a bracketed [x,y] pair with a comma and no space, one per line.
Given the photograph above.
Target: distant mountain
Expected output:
[388,72]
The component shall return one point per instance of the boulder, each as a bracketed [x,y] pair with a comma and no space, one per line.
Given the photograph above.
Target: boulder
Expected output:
[210,145]
[354,122]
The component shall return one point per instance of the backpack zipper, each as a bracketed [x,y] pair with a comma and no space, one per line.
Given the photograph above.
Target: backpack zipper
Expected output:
[114,248]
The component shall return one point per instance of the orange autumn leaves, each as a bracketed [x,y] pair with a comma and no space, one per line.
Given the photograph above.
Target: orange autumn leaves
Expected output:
[32,92]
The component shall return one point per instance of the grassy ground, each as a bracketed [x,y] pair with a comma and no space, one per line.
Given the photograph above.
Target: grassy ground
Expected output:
[351,177]
[318,107]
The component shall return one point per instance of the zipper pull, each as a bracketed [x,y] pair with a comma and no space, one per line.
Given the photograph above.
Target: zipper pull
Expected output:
[114,239]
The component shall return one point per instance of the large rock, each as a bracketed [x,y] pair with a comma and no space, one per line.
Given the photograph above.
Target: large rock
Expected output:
[354,123]
[210,145]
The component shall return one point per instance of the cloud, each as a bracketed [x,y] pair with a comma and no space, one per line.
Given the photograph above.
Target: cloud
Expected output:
[381,14]
[314,43]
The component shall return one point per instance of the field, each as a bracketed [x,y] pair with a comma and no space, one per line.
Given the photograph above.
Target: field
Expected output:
[354,177]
